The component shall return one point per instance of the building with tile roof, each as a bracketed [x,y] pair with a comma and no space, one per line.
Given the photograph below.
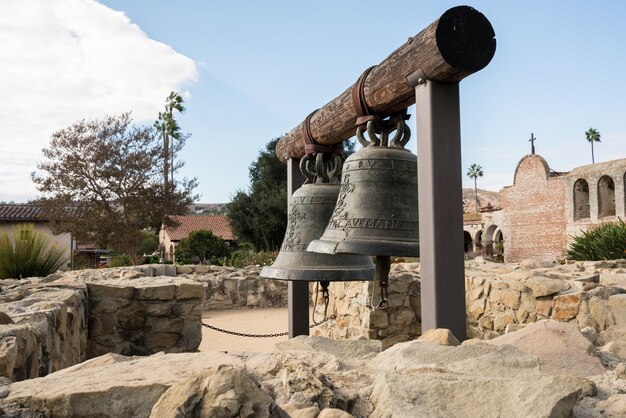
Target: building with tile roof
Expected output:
[20,213]
[170,236]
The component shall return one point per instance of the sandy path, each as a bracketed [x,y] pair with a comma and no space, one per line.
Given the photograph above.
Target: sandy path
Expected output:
[253,321]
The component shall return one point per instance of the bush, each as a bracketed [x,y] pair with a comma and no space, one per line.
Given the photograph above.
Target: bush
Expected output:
[605,242]
[203,246]
[120,261]
[28,253]
[244,258]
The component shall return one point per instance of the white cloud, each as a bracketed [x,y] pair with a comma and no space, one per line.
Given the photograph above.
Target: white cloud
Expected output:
[65,60]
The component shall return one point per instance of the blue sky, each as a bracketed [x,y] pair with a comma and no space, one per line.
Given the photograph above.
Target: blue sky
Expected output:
[251,71]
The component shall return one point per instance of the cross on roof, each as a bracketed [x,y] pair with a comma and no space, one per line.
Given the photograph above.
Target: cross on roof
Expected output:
[532,143]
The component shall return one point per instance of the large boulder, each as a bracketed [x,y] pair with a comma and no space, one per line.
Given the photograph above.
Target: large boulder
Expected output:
[425,379]
[217,392]
[549,341]
[113,385]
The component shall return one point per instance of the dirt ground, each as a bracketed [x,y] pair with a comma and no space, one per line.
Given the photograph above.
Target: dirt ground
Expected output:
[252,321]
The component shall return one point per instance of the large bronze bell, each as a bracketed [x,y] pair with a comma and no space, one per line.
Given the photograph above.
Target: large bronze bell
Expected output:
[376,212]
[310,209]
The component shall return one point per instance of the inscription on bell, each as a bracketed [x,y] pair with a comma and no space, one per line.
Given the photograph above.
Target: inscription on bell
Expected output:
[312,200]
[379,223]
[396,165]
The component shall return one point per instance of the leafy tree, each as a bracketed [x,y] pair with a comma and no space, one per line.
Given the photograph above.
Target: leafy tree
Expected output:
[259,215]
[28,253]
[101,180]
[203,245]
[149,242]
[473,172]
[592,136]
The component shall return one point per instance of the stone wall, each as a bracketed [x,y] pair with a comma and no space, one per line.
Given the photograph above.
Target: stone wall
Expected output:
[47,324]
[43,327]
[592,174]
[144,316]
[232,288]
[534,221]
[499,298]
[351,303]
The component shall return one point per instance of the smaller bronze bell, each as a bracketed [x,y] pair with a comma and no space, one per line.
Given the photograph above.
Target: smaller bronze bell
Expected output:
[309,211]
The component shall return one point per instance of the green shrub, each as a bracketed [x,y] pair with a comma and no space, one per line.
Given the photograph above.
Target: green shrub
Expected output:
[120,261]
[28,253]
[243,258]
[203,246]
[605,242]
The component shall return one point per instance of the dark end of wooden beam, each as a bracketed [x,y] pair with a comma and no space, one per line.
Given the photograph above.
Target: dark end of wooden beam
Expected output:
[466,39]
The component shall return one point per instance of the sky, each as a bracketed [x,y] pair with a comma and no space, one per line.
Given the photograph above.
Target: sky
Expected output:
[251,71]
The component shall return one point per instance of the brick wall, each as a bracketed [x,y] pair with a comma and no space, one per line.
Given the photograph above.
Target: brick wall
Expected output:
[535,221]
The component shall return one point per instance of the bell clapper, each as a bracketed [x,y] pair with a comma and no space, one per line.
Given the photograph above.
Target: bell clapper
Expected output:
[383,266]
[326,296]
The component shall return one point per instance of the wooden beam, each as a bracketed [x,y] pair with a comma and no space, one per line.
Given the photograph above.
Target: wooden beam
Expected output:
[459,43]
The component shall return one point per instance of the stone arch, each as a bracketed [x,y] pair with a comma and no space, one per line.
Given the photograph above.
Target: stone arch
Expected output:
[498,240]
[467,242]
[478,240]
[606,197]
[488,239]
[581,199]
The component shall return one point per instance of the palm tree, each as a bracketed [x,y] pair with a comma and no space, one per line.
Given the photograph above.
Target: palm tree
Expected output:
[473,172]
[169,129]
[592,136]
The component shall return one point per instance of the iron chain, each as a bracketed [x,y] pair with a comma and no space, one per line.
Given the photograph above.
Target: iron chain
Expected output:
[278,334]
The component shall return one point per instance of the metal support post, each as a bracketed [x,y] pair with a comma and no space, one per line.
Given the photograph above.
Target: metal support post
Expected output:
[298,292]
[440,194]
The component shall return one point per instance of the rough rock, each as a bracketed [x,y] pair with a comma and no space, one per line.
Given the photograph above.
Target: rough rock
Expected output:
[441,336]
[339,349]
[333,413]
[566,307]
[548,340]
[112,385]
[618,307]
[5,319]
[300,411]
[614,407]
[543,286]
[225,391]
[419,378]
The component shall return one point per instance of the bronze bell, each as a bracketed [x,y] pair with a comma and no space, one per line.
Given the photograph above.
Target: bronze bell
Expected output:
[310,208]
[376,212]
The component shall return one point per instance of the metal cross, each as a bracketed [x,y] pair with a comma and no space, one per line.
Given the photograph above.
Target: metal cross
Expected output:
[532,143]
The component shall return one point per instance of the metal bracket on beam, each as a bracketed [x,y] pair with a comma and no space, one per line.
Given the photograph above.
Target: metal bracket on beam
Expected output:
[417,78]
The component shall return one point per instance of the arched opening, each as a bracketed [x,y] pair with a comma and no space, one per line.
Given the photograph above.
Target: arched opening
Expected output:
[581,199]
[467,242]
[171,254]
[498,242]
[488,239]
[478,241]
[606,197]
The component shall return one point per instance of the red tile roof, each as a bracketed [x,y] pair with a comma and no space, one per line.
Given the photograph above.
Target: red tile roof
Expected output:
[20,213]
[219,225]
